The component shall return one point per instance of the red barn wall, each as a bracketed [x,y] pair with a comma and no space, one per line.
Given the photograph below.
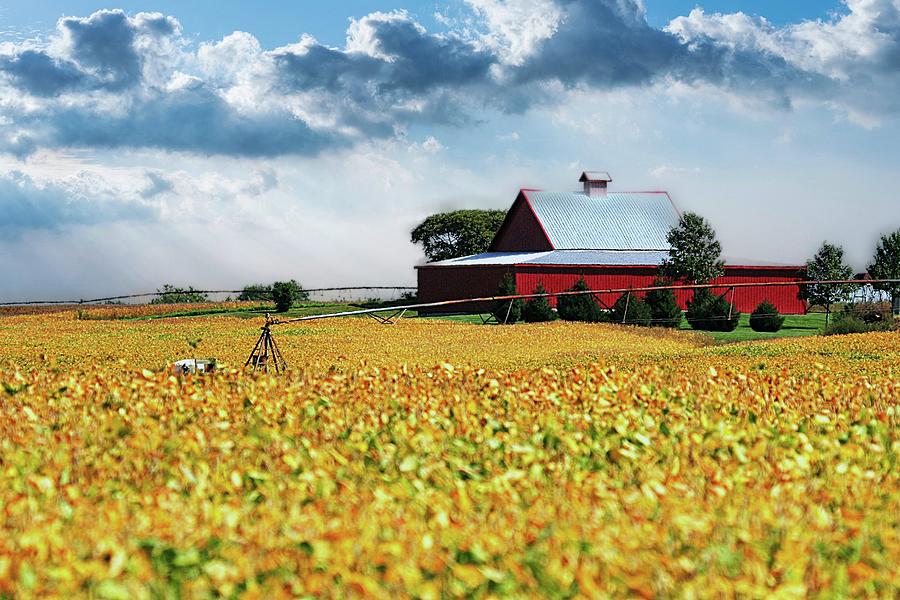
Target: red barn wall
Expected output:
[521,231]
[449,283]
[559,279]
[457,283]
[783,297]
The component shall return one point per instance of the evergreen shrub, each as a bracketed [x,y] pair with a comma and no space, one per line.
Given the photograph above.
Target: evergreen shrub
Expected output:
[582,307]
[765,317]
[664,309]
[630,310]
[503,312]
[709,312]
[538,310]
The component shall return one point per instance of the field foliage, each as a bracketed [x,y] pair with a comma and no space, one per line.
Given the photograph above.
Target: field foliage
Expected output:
[436,459]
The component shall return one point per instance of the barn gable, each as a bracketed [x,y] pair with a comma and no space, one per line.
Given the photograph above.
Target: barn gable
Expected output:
[521,230]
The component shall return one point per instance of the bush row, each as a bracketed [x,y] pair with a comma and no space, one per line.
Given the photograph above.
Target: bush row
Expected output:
[863,317]
[706,311]
[659,308]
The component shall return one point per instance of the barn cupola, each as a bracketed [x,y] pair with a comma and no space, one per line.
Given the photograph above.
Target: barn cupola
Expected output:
[595,183]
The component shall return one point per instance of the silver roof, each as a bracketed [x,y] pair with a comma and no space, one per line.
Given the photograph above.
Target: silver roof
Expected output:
[595,176]
[561,257]
[492,258]
[607,258]
[617,221]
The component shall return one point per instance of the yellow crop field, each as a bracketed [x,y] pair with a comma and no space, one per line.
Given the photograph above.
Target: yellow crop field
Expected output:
[437,459]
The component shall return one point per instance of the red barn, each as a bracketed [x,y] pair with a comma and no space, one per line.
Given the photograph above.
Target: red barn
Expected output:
[612,239]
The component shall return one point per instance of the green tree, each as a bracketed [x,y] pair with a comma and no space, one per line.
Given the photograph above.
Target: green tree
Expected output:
[580,307]
[169,294]
[707,311]
[538,310]
[664,309]
[630,309]
[286,294]
[508,312]
[458,233]
[257,292]
[694,252]
[886,265]
[765,317]
[827,265]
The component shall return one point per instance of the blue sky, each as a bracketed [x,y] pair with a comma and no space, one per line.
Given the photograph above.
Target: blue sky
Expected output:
[221,143]
[277,22]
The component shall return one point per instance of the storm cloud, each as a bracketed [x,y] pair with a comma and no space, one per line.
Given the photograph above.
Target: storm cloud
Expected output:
[27,204]
[113,80]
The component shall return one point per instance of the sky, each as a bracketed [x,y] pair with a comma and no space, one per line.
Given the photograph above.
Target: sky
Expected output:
[218,144]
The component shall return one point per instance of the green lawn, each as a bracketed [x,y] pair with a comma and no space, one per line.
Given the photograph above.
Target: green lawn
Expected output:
[794,326]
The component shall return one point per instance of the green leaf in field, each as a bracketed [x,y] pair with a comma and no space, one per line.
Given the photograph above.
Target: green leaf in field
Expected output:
[409,463]
[112,590]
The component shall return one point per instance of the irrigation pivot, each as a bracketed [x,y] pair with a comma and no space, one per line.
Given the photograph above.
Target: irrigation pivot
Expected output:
[266,350]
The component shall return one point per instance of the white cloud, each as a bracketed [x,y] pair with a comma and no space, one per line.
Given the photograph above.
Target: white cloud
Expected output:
[515,29]
[430,145]
[853,54]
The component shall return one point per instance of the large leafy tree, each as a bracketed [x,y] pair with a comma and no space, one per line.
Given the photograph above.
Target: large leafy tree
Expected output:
[827,265]
[255,293]
[458,233]
[694,254]
[169,294]
[886,265]
[287,293]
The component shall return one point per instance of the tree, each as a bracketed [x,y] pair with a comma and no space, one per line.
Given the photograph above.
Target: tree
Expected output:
[708,312]
[630,309]
[765,317]
[537,310]
[169,294]
[508,312]
[827,265]
[257,292]
[664,309]
[286,294]
[886,265]
[458,233]
[580,307]
[694,252]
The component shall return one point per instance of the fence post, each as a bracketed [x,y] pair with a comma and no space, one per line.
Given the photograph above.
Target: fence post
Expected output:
[625,312]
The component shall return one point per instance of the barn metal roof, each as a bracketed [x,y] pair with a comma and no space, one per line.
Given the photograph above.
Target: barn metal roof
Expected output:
[491,258]
[562,257]
[617,221]
[603,258]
